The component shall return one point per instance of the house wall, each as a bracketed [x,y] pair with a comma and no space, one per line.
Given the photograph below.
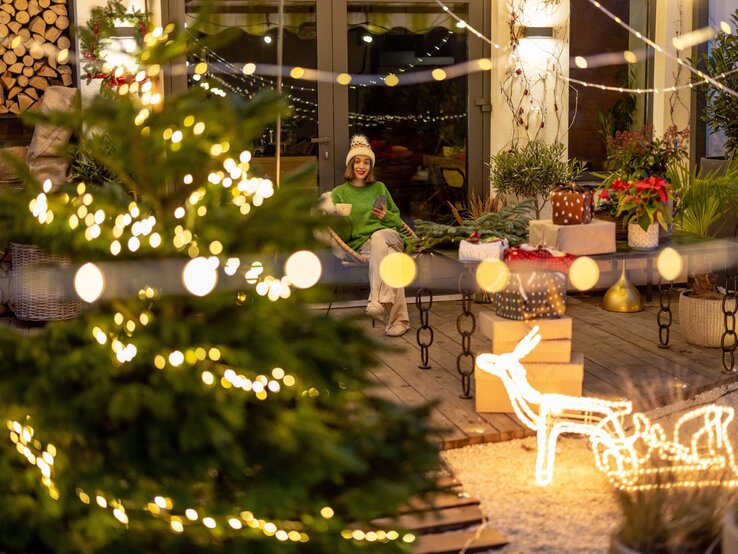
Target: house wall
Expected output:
[673,17]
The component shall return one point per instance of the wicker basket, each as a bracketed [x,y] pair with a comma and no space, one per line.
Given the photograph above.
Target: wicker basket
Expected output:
[36,287]
[9,179]
[701,320]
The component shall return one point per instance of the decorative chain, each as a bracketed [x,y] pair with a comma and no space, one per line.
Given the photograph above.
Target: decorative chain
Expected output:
[729,340]
[424,342]
[664,316]
[466,324]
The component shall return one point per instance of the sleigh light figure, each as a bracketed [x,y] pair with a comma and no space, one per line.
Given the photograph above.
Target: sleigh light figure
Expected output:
[634,453]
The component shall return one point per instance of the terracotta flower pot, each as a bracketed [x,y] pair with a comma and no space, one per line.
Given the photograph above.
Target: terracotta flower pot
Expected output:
[638,239]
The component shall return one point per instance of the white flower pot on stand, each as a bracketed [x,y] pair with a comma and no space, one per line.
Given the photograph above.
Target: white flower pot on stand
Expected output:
[638,239]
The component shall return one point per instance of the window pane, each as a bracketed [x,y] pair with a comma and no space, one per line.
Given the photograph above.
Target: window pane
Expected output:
[416,130]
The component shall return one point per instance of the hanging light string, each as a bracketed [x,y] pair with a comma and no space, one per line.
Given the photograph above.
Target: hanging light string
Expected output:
[236,71]
[369,120]
[642,90]
[465,25]
[660,49]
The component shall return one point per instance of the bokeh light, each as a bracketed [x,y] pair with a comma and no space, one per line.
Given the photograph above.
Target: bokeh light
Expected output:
[492,275]
[584,273]
[89,282]
[670,264]
[200,276]
[398,270]
[303,269]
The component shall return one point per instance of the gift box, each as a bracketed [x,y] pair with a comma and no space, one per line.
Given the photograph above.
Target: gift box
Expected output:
[501,329]
[572,204]
[527,257]
[554,350]
[533,295]
[482,250]
[562,378]
[598,237]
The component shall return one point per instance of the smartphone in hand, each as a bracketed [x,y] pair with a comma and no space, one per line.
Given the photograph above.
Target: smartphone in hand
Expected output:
[380,202]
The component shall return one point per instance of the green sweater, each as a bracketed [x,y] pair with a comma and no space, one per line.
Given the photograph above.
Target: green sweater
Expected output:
[361,223]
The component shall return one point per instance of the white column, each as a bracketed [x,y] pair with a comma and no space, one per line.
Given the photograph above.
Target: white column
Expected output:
[673,17]
[529,102]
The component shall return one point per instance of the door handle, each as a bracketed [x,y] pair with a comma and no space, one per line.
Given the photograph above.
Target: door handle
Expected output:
[322,140]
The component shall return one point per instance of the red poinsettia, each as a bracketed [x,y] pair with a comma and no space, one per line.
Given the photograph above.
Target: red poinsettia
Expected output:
[643,202]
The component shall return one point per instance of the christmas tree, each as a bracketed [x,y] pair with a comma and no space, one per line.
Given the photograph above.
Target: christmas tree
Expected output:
[197,403]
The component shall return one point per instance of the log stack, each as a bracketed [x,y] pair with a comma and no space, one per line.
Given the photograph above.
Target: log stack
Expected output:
[34,51]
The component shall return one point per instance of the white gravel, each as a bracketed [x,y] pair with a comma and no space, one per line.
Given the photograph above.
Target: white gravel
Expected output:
[576,513]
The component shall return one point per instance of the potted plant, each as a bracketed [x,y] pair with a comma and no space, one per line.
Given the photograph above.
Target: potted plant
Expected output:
[644,205]
[704,204]
[666,520]
[720,106]
[636,155]
[532,171]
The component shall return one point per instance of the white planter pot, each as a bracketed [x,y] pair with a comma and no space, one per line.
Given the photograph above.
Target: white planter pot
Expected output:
[729,540]
[638,239]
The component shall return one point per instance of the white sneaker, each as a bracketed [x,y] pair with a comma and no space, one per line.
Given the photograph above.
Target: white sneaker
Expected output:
[376,311]
[397,330]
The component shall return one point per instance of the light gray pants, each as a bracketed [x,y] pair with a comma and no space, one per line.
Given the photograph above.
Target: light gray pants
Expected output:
[382,243]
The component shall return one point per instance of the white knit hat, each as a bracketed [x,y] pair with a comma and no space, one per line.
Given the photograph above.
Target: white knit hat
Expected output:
[360,147]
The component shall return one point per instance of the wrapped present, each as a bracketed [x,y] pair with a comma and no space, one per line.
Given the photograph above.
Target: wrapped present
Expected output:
[572,204]
[538,258]
[488,248]
[598,237]
[537,294]
[500,329]
[553,350]
[562,378]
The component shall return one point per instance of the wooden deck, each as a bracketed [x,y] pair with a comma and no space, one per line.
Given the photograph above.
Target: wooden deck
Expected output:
[622,360]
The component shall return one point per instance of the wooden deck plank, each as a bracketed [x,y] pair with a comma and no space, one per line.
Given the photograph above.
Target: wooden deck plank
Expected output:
[622,360]
[641,329]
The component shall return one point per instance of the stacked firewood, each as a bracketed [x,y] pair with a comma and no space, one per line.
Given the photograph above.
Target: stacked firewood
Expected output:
[34,51]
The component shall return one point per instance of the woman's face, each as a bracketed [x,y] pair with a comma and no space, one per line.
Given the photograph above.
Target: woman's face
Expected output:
[362,165]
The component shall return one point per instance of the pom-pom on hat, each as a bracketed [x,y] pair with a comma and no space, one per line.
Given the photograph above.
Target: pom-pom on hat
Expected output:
[360,147]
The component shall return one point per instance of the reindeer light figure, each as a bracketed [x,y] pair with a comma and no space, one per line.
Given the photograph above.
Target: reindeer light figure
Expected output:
[628,448]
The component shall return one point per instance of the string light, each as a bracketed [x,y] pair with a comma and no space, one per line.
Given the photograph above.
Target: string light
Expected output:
[635,460]
[662,50]
[642,90]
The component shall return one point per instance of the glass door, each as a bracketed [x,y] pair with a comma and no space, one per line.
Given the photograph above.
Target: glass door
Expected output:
[417,131]
[430,137]
[248,63]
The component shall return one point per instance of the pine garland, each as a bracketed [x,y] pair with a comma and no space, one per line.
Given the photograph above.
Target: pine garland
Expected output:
[510,222]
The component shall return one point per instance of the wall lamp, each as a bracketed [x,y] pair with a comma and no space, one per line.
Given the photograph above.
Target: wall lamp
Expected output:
[537,32]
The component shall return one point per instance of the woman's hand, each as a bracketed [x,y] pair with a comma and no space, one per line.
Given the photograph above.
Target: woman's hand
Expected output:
[380,212]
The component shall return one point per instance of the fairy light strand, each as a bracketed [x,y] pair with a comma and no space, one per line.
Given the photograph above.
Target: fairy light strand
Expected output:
[641,90]
[662,50]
